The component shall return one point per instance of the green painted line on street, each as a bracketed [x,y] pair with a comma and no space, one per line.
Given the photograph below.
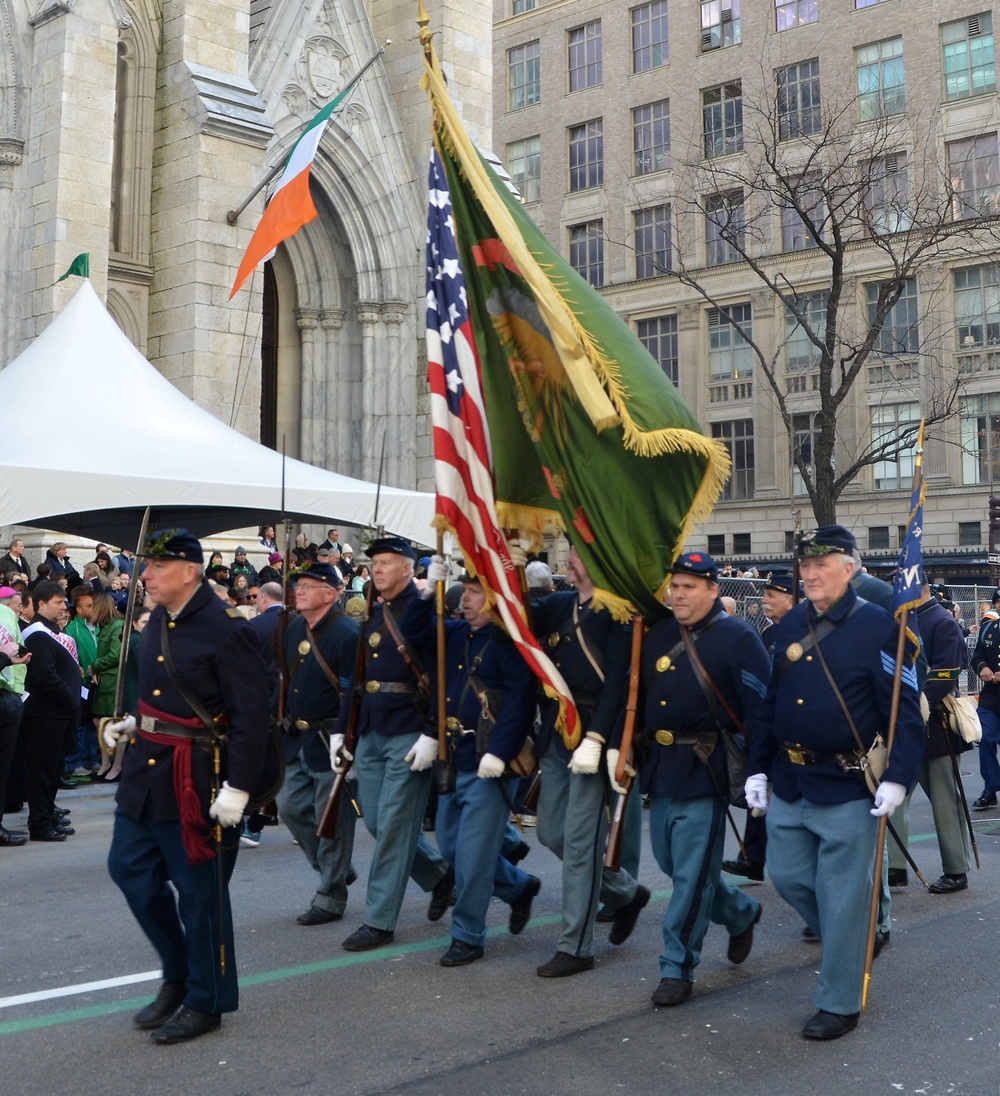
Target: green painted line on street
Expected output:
[395,951]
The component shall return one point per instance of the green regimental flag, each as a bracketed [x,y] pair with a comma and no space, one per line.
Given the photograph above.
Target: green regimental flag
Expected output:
[588,434]
[80,266]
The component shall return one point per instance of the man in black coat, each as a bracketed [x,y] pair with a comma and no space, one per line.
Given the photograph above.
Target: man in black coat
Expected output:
[202,699]
[53,705]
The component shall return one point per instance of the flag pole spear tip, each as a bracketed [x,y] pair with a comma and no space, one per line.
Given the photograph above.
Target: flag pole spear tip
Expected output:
[423,22]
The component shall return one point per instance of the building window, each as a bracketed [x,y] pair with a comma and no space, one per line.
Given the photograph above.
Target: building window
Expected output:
[805,200]
[880,79]
[651,137]
[798,100]
[878,537]
[973,177]
[652,241]
[899,337]
[725,224]
[720,24]
[866,3]
[717,544]
[524,76]
[586,154]
[585,56]
[794,13]
[730,354]
[586,251]
[887,194]
[800,350]
[649,36]
[970,534]
[980,422]
[737,436]
[521,6]
[969,68]
[722,119]
[888,423]
[805,434]
[659,336]
[741,544]
[977,306]
[524,165]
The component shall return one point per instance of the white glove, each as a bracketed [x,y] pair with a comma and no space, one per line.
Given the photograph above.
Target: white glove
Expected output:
[438,571]
[114,730]
[490,767]
[757,792]
[340,757]
[888,797]
[229,805]
[423,753]
[613,770]
[518,556]
[586,758]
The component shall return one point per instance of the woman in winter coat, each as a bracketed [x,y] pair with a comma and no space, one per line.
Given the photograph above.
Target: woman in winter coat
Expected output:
[104,673]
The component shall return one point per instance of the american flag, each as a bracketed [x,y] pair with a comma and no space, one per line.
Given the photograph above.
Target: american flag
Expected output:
[463,461]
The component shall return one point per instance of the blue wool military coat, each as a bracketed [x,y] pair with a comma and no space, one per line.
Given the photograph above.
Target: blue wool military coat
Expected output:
[598,702]
[217,657]
[493,659]
[671,699]
[311,694]
[386,713]
[802,709]
[944,646]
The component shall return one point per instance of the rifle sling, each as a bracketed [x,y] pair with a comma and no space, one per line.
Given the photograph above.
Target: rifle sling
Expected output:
[410,656]
[323,664]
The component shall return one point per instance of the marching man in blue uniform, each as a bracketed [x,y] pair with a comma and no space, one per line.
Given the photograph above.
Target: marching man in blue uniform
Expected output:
[394,755]
[591,651]
[490,704]
[828,697]
[199,659]
[703,675]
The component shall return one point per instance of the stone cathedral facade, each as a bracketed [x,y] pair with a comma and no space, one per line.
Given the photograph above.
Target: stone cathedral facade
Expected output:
[130,128]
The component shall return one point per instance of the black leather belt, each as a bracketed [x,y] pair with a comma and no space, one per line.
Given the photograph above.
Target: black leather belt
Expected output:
[178,730]
[303,725]
[675,738]
[390,687]
[799,755]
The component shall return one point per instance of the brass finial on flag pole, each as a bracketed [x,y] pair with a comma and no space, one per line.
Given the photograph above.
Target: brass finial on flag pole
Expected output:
[424,23]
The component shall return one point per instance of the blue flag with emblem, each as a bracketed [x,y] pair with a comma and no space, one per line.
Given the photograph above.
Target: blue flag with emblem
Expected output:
[910,570]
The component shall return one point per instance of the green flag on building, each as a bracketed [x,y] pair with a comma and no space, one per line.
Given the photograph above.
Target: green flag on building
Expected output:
[80,266]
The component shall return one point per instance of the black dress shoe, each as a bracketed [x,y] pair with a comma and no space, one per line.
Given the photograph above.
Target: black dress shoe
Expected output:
[520,908]
[742,942]
[186,1024]
[671,991]
[948,884]
[442,896]
[562,965]
[605,916]
[459,954]
[62,812]
[519,853]
[315,916]
[62,827]
[809,935]
[749,869]
[48,835]
[984,802]
[627,915]
[899,877]
[830,1025]
[9,840]
[881,941]
[367,937]
[162,1007]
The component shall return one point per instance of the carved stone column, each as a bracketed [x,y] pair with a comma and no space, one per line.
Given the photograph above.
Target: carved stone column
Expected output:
[332,402]
[393,315]
[11,243]
[368,316]
[307,320]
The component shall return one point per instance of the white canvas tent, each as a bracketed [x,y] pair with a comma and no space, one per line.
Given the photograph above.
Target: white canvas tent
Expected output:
[162,450]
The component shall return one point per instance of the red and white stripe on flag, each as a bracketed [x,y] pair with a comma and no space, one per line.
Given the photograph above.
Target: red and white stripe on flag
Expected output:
[463,466]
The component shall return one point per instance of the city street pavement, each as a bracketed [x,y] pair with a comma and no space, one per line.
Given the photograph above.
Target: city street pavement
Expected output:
[317,1019]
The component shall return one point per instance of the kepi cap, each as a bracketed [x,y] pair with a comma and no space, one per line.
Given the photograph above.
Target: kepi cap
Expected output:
[394,545]
[826,540]
[173,544]
[697,563]
[321,572]
[781,580]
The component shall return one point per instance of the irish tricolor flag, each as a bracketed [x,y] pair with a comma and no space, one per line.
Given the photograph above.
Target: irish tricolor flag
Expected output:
[291,205]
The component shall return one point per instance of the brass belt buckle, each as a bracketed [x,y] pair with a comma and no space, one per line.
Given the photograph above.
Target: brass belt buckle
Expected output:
[373,686]
[665,738]
[453,724]
[148,723]
[302,724]
[797,757]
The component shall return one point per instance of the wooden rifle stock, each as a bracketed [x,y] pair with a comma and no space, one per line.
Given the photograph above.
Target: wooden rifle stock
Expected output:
[613,856]
[328,823]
